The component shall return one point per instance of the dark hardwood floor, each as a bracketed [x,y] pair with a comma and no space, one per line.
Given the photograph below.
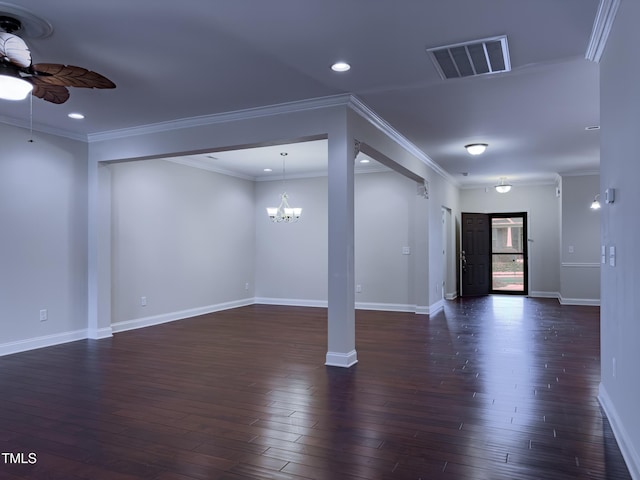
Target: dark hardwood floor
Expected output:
[491,388]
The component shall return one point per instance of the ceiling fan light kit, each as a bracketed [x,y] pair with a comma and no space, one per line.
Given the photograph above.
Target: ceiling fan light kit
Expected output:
[12,85]
[19,76]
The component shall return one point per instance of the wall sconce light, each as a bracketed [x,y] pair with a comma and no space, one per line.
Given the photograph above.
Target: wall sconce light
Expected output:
[595,205]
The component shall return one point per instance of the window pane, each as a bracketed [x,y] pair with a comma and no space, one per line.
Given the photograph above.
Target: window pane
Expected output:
[508,272]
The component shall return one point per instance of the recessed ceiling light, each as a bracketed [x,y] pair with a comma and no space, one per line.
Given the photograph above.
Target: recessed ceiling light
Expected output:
[76,116]
[267,170]
[340,67]
[365,160]
[592,127]
[476,148]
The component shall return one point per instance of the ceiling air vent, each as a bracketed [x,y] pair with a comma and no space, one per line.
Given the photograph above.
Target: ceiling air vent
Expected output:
[467,59]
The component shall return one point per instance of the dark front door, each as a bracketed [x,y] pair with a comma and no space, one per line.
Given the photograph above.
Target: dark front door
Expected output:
[475,254]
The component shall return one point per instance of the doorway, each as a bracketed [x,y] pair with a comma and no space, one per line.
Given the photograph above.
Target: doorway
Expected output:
[494,257]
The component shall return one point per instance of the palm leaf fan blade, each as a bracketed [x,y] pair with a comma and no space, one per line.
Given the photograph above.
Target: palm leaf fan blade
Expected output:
[15,50]
[51,93]
[70,76]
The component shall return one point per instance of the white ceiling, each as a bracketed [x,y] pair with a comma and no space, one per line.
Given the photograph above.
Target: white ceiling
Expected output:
[176,60]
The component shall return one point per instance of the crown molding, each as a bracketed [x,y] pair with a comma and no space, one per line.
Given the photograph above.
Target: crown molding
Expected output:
[36,127]
[216,118]
[381,124]
[346,100]
[601,28]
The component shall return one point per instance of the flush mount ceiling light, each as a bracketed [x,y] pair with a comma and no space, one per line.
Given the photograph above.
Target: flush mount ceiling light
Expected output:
[12,85]
[340,67]
[76,116]
[595,205]
[476,148]
[284,212]
[503,186]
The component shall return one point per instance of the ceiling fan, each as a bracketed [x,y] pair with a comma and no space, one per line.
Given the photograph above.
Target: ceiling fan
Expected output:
[48,81]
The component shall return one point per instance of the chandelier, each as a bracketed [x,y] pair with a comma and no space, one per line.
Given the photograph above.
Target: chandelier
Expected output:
[284,212]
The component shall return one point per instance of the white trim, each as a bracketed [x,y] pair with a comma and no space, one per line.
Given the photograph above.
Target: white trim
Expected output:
[132,324]
[387,307]
[537,294]
[591,302]
[580,173]
[629,453]
[100,333]
[41,342]
[291,302]
[601,29]
[344,360]
[37,127]
[451,296]
[359,107]
[382,307]
[224,117]
[580,265]
[436,307]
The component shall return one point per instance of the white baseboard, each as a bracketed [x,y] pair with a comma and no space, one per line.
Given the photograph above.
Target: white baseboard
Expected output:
[291,302]
[344,360]
[383,307]
[100,333]
[629,453]
[179,315]
[41,342]
[451,296]
[436,307]
[544,294]
[593,302]
[386,307]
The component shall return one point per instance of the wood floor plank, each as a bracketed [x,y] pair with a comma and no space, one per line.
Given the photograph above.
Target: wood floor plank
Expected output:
[491,388]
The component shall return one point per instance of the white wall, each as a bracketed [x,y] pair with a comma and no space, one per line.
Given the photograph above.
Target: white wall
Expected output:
[43,254]
[385,206]
[443,194]
[291,259]
[620,169]
[182,237]
[543,210]
[580,244]
[177,243]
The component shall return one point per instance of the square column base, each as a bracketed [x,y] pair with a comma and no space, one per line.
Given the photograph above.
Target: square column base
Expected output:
[344,360]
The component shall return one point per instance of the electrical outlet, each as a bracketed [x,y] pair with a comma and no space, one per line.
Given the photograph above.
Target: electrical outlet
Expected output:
[358,288]
[143,301]
[246,286]
[44,315]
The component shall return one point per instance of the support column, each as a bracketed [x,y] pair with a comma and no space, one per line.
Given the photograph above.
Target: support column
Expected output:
[99,235]
[421,251]
[341,349]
